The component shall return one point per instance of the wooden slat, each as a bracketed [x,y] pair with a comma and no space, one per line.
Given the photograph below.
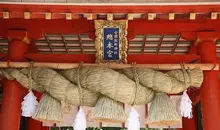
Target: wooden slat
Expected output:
[1,50]
[81,44]
[65,44]
[159,46]
[175,45]
[48,42]
[144,43]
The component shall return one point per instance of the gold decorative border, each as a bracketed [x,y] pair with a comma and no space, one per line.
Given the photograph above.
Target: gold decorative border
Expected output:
[99,41]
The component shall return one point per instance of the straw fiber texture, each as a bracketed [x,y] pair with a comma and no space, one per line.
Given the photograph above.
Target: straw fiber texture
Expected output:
[162,111]
[171,82]
[121,86]
[83,86]
[49,110]
[108,110]
[112,84]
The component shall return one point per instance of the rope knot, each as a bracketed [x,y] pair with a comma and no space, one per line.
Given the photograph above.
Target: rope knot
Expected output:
[30,74]
[186,74]
[79,84]
[136,78]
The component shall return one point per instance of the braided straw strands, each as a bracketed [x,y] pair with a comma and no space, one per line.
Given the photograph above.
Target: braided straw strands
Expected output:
[44,79]
[171,82]
[49,110]
[22,77]
[118,87]
[111,83]
[62,89]
[108,110]
[162,111]
[95,80]
[192,78]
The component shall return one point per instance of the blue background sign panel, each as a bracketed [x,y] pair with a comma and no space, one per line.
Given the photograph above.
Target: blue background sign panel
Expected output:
[111,43]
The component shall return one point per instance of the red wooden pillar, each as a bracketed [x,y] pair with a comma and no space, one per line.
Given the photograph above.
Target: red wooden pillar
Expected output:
[11,104]
[190,124]
[34,124]
[17,50]
[45,128]
[210,91]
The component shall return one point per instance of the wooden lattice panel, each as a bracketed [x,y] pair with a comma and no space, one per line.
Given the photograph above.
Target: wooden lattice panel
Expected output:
[158,44]
[82,44]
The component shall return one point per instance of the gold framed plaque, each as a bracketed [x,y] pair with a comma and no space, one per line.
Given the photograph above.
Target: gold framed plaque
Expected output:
[111,41]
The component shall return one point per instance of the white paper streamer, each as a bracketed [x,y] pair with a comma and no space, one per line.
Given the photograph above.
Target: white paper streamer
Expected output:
[185,106]
[29,105]
[133,122]
[80,121]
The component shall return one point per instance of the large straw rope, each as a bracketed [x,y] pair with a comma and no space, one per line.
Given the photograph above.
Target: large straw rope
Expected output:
[95,80]
[136,79]
[171,82]
[83,85]
[112,84]
[22,77]
[48,80]
[79,85]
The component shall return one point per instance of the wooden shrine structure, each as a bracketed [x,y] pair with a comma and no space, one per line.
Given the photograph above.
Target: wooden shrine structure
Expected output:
[65,33]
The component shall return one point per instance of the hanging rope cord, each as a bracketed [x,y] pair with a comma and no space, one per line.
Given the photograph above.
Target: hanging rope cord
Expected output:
[185,72]
[79,84]
[30,75]
[136,78]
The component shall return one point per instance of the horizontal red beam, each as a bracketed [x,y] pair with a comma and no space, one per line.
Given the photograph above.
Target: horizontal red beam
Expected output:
[110,9]
[90,58]
[61,58]
[37,28]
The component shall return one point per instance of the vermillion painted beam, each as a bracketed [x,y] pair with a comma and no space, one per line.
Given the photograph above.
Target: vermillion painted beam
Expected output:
[106,9]
[90,58]
[84,26]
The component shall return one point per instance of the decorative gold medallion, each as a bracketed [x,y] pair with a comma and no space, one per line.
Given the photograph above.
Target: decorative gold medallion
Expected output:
[5,15]
[27,15]
[111,41]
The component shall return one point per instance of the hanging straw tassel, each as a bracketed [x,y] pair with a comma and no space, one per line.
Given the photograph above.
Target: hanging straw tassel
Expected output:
[162,112]
[184,105]
[29,105]
[49,110]
[134,118]
[109,110]
[80,121]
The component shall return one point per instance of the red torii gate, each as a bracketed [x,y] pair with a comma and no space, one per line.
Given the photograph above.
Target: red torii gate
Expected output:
[206,30]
